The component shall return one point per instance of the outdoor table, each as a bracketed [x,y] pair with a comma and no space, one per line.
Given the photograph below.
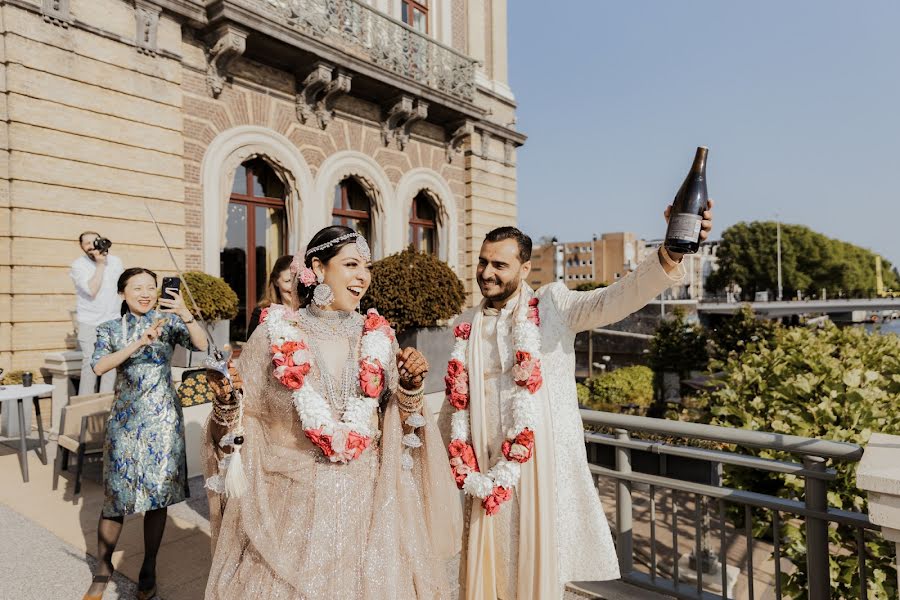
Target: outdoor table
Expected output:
[19,394]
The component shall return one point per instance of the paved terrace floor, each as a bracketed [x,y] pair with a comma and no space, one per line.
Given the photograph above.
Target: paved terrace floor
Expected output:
[49,538]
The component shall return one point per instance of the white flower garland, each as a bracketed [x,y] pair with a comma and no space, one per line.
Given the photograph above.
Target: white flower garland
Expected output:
[315,414]
[521,412]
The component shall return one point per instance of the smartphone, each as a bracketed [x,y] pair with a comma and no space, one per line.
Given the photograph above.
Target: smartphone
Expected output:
[170,282]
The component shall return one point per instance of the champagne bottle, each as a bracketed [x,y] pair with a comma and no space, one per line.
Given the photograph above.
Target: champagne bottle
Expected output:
[683,233]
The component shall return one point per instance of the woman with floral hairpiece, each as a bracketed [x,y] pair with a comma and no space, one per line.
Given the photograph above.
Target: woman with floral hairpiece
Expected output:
[346,492]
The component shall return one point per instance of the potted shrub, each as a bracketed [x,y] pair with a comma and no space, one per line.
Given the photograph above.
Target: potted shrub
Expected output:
[216,304]
[418,293]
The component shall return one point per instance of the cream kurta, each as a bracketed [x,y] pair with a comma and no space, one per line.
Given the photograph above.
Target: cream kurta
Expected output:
[309,529]
[579,546]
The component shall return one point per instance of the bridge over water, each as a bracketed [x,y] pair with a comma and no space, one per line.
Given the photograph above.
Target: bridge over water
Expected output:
[799,307]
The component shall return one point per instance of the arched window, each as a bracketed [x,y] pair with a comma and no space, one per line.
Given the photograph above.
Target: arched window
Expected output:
[256,236]
[352,207]
[423,224]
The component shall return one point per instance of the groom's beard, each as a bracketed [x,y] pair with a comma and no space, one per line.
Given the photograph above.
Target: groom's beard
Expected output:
[501,291]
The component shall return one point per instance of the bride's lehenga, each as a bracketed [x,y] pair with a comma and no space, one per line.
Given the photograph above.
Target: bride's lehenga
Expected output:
[310,529]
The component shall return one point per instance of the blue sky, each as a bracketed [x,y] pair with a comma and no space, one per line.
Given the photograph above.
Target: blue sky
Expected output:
[798,101]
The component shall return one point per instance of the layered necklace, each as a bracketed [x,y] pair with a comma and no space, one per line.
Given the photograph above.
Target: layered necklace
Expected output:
[495,487]
[345,439]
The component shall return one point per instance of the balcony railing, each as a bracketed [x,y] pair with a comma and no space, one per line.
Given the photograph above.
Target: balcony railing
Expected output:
[359,30]
[673,488]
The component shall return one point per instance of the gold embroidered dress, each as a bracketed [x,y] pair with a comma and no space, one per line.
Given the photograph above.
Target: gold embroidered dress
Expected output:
[311,529]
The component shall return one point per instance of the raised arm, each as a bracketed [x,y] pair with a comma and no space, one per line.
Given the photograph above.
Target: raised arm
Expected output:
[588,310]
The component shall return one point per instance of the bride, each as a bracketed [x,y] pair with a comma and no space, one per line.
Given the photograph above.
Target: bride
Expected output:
[345,491]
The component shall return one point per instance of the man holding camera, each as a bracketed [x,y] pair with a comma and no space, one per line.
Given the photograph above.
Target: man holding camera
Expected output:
[95,276]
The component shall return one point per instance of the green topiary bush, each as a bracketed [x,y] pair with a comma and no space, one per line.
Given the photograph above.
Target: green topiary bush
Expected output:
[611,391]
[413,289]
[216,301]
[830,383]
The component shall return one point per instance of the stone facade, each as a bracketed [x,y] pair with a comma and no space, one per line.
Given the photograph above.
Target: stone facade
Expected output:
[113,104]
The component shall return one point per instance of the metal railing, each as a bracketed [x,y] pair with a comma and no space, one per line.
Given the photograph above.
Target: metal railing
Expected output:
[359,30]
[814,509]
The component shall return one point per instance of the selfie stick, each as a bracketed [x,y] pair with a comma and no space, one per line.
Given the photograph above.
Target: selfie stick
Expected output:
[217,361]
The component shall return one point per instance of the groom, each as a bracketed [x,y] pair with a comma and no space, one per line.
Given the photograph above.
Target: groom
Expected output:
[533,519]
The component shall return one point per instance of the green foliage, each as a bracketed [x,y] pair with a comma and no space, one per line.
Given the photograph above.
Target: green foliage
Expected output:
[414,289]
[810,261]
[11,378]
[740,333]
[678,346]
[588,286]
[829,383]
[215,299]
[615,389]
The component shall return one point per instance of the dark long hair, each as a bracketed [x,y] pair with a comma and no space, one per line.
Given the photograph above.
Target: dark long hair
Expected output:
[273,292]
[304,293]
[126,275]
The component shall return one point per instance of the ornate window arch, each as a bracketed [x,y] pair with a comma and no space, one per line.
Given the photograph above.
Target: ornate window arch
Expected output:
[224,156]
[369,175]
[438,191]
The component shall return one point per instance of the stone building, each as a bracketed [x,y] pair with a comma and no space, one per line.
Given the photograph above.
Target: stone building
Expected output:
[245,126]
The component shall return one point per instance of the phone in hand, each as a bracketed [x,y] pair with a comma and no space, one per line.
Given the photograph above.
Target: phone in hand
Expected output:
[170,283]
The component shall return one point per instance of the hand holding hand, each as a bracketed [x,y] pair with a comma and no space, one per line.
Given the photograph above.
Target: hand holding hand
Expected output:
[412,366]
[705,226]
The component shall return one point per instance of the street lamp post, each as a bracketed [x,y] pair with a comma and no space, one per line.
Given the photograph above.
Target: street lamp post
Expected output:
[778,238]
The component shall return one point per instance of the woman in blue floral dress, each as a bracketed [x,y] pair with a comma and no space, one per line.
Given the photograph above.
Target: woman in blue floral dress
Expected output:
[144,467]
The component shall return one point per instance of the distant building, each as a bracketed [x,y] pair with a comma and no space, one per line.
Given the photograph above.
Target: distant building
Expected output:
[601,260]
[698,268]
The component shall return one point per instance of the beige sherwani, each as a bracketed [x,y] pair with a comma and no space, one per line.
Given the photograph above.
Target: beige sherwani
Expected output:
[554,529]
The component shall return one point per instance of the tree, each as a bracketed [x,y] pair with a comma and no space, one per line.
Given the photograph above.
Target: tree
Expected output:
[829,383]
[678,346]
[810,262]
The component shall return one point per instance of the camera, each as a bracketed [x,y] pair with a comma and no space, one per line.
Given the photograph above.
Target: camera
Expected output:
[102,245]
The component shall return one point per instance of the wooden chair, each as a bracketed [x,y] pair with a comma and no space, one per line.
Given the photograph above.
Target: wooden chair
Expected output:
[82,431]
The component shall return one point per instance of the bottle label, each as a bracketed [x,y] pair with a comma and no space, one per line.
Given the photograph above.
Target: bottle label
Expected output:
[685,227]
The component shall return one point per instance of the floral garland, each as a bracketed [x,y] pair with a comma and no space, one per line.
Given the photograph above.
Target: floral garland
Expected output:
[495,487]
[344,440]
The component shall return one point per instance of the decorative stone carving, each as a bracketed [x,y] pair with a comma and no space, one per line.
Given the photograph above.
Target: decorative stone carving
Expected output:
[319,92]
[56,12]
[379,39]
[228,44]
[400,118]
[146,16]
[485,145]
[508,152]
[456,136]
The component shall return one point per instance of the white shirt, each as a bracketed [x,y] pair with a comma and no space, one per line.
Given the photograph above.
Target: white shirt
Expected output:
[93,310]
